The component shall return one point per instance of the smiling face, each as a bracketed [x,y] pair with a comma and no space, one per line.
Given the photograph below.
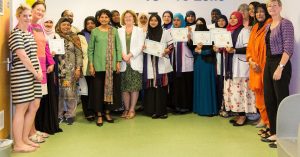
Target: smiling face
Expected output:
[167,18]
[38,11]
[233,20]
[190,19]
[104,19]
[274,8]
[25,17]
[221,23]
[251,10]
[143,20]
[176,22]
[48,24]
[153,22]
[69,14]
[128,19]
[260,15]
[65,27]
[116,17]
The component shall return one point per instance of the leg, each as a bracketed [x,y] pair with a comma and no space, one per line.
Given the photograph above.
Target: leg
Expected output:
[133,100]
[260,104]
[126,99]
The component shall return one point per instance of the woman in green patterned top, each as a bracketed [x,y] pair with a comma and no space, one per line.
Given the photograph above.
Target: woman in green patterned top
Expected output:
[104,52]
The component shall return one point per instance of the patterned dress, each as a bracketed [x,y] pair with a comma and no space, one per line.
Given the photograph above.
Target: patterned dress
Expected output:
[24,87]
[130,80]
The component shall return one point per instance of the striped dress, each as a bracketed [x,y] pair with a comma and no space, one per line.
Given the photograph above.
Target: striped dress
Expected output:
[24,87]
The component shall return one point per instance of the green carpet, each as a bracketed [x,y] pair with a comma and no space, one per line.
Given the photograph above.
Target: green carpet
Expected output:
[178,136]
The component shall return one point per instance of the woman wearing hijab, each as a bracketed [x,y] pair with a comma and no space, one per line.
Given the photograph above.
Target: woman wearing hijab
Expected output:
[167,17]
[222,22]
[155,69]
[256,55]
[237,95]
[115,19]
[205,98]
[85,82]
[143,21]
[104,54]
[69,69]
[48,121]
[181,79]
[190,18]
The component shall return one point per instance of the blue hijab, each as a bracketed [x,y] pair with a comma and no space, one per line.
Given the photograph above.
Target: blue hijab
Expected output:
[181,18]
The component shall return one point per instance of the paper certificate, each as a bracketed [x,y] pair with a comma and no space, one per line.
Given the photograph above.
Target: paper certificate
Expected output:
[57,45]
[223,39]
[215,31]
[179,34]
[203,37]
[154,48]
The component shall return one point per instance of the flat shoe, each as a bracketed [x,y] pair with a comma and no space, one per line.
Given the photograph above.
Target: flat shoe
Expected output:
[273,145]
[267,140]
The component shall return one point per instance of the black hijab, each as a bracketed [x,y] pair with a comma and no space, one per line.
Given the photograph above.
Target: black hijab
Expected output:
[155,33]
[190,13]
[89,18]
[221,17]
[113,23]
[201,27]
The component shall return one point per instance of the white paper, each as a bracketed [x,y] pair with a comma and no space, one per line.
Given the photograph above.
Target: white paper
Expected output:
[203,37]
[57,45]
[223,39]
[179,34]
[154,48]
[216,30]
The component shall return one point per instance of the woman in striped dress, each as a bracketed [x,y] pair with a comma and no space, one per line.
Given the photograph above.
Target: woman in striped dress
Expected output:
[26,76]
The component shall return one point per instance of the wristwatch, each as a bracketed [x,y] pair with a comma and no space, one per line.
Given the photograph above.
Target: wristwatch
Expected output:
[281,66]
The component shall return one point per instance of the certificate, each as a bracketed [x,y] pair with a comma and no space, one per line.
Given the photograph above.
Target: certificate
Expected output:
[223,39]
[154,48]
[57,45]
[215,31]
[179,34]
[203,37]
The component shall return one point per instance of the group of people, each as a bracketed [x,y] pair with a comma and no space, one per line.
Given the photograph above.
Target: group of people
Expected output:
[107,65]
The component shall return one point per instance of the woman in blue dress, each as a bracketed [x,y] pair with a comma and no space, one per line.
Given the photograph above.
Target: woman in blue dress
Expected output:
[205,98]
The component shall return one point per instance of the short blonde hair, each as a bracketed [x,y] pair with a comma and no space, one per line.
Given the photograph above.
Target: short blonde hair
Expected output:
[278,1]
[22,8]
[135,20]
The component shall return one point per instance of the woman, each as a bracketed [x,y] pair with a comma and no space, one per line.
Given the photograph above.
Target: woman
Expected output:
[104,53]
[143,21]
[48,111]
[222,22]
[86,81]
[205,98]
[278,68]
[115,20]
[181,80]
[132,40]
[244,10]
[69,69]
[155,69]
[256,55]
[252,8]
[237,95]
[190,18]
[47,65]
[26,77]
[167,19]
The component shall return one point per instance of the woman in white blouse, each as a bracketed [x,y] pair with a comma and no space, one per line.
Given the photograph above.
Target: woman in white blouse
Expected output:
[132,40]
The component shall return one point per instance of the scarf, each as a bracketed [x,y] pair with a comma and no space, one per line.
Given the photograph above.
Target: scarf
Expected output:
[190,13]
[108,85]
[49,32]
[143,26]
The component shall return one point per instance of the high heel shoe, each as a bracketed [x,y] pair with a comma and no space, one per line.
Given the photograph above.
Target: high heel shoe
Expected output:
[99,123]
[130,115]
[124,114]
[108,118]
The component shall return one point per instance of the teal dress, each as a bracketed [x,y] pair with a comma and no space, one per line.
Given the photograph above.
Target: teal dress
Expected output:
[131,80]
[205,96]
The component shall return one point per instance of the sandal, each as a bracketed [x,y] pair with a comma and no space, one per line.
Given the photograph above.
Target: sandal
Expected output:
[262,131]
[266,134]
[37,139]
[124,114]
[130,115]
[43,134]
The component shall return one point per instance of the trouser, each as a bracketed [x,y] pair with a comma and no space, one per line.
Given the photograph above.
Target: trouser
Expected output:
[71,105]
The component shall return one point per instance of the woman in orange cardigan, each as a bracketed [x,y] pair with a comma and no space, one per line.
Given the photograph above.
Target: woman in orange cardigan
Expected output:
[256,55]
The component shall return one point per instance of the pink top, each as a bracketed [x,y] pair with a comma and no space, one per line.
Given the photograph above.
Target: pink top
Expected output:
[43,51]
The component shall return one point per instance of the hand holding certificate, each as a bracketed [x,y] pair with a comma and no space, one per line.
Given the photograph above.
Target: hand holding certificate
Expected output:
[57,45]
[223,39]
[203,37]
[154,48]
[179,34]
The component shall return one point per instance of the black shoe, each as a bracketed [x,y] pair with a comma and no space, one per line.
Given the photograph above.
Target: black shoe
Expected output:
[267,140]
[232,121]
[273,145]
[237,124]
[99,124]
[154,116]
[108,120]
[165,116]
[90,119]
[70,121]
